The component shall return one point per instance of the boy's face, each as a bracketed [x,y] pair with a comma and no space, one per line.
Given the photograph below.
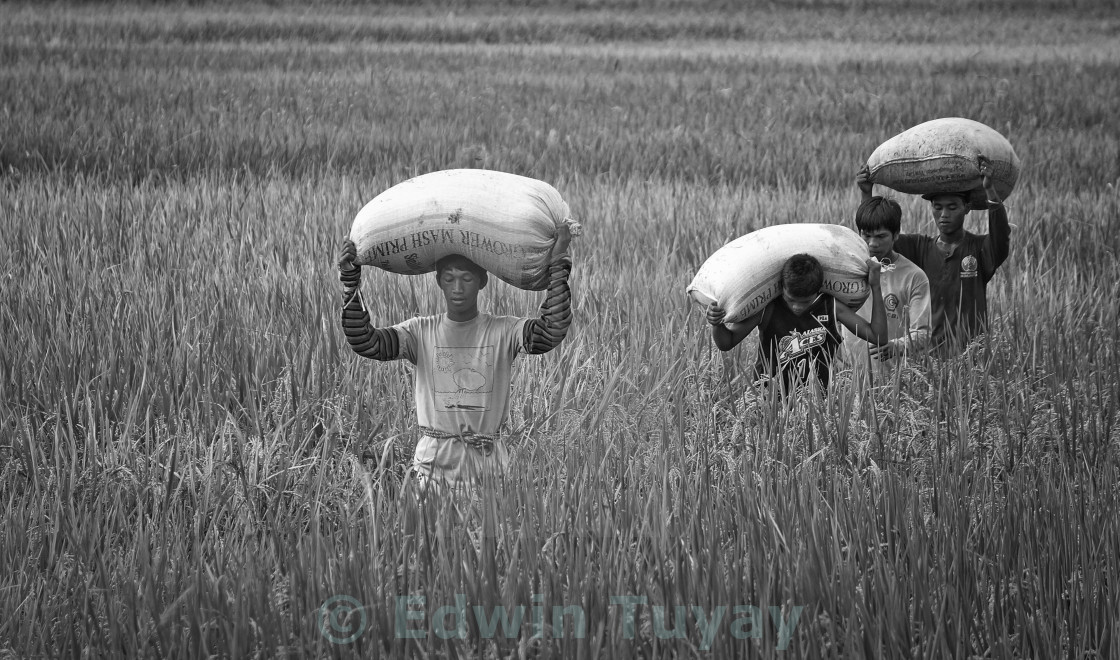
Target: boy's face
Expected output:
[460,289]
[880,242]
[798,304]
[948,213]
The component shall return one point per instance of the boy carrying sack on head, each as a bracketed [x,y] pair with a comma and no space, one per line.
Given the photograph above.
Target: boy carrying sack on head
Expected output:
[958,263]
[463,361]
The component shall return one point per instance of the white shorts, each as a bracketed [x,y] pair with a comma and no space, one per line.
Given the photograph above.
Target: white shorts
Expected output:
[450,463]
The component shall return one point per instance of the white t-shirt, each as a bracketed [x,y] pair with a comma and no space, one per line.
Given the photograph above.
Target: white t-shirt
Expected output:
[463,369]
[906,300]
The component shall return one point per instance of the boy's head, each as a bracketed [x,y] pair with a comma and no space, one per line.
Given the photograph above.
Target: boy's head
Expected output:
[802,279]
[949,210]
[879,220]
[460,262]
[460,280]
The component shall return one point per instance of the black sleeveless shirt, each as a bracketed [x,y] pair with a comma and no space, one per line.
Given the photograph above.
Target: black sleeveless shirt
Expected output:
[797,345]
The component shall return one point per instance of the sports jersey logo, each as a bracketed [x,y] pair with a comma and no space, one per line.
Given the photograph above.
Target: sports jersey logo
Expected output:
[890,301]
[797,344]
[968,266]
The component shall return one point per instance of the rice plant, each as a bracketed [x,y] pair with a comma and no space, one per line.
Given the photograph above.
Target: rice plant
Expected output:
[194,463]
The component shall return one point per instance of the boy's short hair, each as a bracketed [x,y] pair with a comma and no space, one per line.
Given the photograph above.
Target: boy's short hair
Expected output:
[802,275]
[879,213]
[463,263]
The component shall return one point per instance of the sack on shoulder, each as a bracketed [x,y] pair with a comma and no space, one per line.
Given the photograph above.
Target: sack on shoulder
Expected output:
[744,276]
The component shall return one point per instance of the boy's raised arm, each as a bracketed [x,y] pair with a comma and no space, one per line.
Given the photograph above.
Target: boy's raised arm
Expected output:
[364,339]
[863,181]
[997,244]
[545,332]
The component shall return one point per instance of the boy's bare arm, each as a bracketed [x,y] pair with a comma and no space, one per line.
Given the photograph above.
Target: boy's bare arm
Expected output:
[364,339]
[997,245]
[726,338]
[863,181]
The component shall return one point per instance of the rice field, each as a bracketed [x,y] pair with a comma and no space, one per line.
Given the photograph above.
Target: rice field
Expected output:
[194,463]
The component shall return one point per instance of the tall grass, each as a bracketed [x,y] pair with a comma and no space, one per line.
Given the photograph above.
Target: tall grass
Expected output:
[194,461]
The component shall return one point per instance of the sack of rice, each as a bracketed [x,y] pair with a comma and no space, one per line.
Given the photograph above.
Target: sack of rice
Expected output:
[505,223]
[942,156]
[745,275]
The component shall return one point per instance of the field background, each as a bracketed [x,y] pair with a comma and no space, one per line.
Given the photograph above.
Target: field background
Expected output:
[192,460]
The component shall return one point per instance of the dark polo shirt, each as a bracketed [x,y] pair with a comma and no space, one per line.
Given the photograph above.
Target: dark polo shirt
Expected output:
[958,280]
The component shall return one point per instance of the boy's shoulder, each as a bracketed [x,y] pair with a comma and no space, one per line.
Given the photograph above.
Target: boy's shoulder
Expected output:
[903,264]
[916,247]
[421,325]
[416,321]
[505,322]
[483,317]
[905,277]
[915,238]
[825,298]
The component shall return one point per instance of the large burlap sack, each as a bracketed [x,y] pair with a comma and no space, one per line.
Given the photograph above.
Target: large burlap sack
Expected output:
[503,222]
[942,156]
[745,275]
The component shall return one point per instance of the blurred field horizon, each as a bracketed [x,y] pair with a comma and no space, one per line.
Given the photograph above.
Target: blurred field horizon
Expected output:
[193,462]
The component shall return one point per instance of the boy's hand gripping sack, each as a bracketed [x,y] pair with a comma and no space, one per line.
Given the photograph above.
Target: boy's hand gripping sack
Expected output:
[503,222]
[744,276]
[943,156]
